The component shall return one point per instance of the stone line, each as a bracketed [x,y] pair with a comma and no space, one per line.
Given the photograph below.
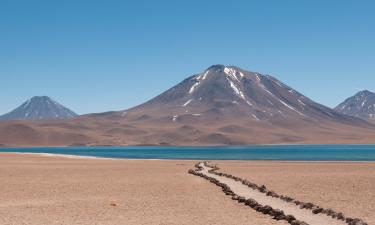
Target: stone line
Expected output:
[277,214]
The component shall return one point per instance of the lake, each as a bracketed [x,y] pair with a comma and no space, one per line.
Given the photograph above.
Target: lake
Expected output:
[261,152]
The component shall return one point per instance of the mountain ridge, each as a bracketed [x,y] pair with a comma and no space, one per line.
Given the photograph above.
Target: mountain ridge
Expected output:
[223,105]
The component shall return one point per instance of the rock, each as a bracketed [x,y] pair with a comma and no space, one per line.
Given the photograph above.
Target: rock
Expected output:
[278,214]
[317,210]
[257,207]
[306,206]
[329,212]
[297,222]
[351,221]
[262,189]
[340,216]
[241,199]
[357,222]
[266,209]
[297,202]
[272,194]
[289,218]
[288,199]
[251,202]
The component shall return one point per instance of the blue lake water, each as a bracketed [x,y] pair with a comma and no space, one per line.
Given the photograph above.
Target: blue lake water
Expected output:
[274,152]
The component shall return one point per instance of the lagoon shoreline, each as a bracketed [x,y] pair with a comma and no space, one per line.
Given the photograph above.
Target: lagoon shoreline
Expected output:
[317,153]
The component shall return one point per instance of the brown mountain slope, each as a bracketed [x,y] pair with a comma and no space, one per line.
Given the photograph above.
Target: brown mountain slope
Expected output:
[224,105]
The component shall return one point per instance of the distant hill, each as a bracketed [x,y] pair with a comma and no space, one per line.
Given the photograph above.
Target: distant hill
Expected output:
[361,105]
[39,108]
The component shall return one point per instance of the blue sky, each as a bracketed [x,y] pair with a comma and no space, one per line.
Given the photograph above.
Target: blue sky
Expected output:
[95,56]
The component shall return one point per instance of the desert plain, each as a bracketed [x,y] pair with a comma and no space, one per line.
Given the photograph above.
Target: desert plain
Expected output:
[37,189]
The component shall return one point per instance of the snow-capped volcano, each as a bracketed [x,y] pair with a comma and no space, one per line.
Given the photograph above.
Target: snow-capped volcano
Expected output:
[361,105]
[235,93]
[39,108]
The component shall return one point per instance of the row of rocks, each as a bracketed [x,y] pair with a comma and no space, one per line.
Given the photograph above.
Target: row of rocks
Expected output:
[199,167]
[303,205]
[276,214]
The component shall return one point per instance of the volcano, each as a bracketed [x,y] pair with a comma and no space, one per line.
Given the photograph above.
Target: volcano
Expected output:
[39,108]
[229,93]
[361,105]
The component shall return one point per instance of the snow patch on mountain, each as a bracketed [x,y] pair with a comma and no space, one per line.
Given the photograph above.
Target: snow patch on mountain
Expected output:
[231,73]
[193,87]
[255,117]
[187,103]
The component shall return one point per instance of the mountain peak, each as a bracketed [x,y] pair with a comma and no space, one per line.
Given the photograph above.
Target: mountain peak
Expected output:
[40,99]
[216,67]
[230,93]
[44,97]
[222,67]
[361,105]
[365,93]
[38,108]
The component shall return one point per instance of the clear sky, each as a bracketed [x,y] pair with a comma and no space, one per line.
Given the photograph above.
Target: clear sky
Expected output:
[95,56]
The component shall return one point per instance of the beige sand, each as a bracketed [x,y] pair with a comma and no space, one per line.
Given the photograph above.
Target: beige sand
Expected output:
[289,208]
[54,190]
[346,187]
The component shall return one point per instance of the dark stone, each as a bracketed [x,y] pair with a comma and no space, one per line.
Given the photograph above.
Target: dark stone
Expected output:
[306,206]
[297,222]
[266,209]
[241,199]
[289,218]
[262,189]
[297,202]
[317,210]
[251,202]
[340,216]
[278,214]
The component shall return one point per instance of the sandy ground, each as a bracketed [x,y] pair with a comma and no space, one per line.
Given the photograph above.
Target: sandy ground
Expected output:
[345,187]
[288,208]
[54,190]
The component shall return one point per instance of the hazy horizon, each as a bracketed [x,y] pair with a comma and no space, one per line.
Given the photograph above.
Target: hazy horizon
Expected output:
[96,57]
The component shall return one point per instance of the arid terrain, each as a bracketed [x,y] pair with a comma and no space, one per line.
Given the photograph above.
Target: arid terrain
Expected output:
[224,105]
[113,130]
[54,190]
